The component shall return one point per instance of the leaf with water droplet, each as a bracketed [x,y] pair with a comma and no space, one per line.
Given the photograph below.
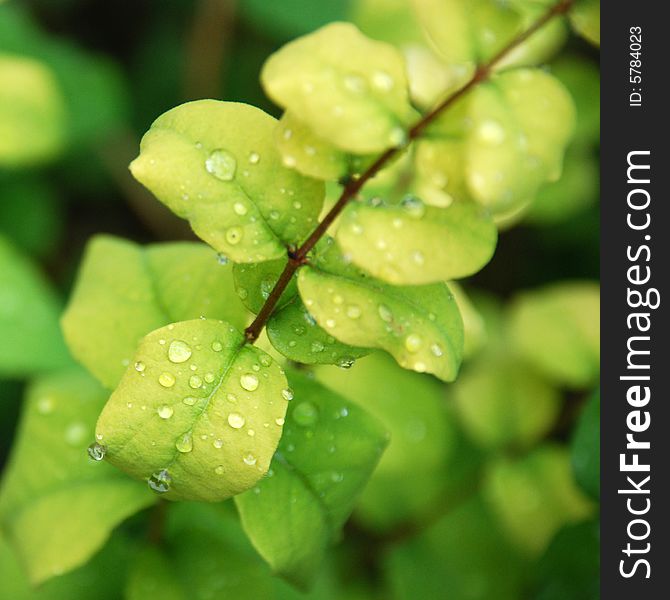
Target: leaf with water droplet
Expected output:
[311,155]
[425,439]
[33,117]
[255,281]
[397,246]
[502,403]
[557,330]
[215,164]
[320,486]
[391,317]
[543,476]
[52,485]
[172,440]
[296,334]
[28,318]
[348,89]
[124,291]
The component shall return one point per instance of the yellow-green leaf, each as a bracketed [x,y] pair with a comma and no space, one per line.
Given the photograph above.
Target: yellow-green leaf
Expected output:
[348,89]
[420,325]
[124,291]
[585,19]
[217,165]
[197,414]
[416,244]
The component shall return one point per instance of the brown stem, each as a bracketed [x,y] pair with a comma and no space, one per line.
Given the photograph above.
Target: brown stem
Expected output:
[354,185]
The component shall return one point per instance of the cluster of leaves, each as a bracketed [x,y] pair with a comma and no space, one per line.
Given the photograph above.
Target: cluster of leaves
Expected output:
[199,413]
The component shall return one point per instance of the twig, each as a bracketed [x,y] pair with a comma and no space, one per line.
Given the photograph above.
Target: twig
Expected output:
[354,185]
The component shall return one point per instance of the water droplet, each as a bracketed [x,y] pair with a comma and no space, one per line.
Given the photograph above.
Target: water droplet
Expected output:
[249,459]
[184,442]
[414,206]
[190,401]
[289,161]
[96,451]
[305,414]
[413,342]
[218,443]
[221,164]
[354,83]
[345,362]
[222,259]
[166,380]
[236,420]
[217,346]
[336,477]
[382,81]
[491,132]
[249,382]
[165,411]
[287,394]
[330,323]
[140,367]
[231,397]
[254,157]
[160,481]
[353,311]
[195,381]
[220,470]
[419,367]
[280,421]
[179,352]
[233,235]
[317,347]
[209,377]
[436,349]
[385,313]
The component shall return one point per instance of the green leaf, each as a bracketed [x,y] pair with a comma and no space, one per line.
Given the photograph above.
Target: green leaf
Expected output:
[570,568]
[585,448]
[391,21]
[426,461]
[296,334]
[124,291]
[328,451]
[314,156]
[417,244]
[255,281]
[198,414]
[420,326]
[503,403]
[585,19]
[474,326]
[216,165]
[535,496]
[463,553]
[467,32]
[347,88]
[557,330]
[32,113]
[57,505]
[28,318]
[153,575]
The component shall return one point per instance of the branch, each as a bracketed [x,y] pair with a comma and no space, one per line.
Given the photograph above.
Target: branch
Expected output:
[298,257]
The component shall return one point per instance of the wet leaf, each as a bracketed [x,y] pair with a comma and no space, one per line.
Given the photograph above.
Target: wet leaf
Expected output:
[216,165]
[197,414]
[327,453]
[420,326]
[255,281]
[57,505]
[417,244]
[28,317]
[348,89]
[124,291]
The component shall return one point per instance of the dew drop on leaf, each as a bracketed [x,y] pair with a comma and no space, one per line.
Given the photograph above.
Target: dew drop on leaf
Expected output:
[160,481]
[385,313]
[179,351]
[233,235]
[436,349]
[249,382]
[287,394]
[250,460]
[189,400]
[317,347]
[221,164]
[236,420]
[165,411]
[217,346]
[166,380]
[184,442]
[195,381]
[140,367]
[220,470]
[96,451]
[413,342]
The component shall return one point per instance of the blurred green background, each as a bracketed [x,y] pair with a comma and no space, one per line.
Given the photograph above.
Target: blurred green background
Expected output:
[489,489]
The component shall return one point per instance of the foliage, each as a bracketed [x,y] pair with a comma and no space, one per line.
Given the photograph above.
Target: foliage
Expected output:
[380,429]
